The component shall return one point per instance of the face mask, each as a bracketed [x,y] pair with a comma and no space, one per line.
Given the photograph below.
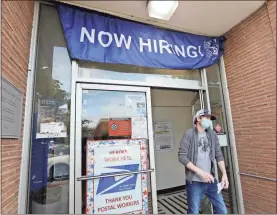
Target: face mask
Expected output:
[206,123]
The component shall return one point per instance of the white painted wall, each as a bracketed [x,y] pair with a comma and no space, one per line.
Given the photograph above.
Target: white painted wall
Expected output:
[174,106]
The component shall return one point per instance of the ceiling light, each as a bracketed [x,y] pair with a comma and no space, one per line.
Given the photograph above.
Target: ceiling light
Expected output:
[161,9]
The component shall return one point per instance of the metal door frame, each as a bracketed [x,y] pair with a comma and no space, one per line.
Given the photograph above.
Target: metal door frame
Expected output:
[201,87]
[78,133]
[77,82]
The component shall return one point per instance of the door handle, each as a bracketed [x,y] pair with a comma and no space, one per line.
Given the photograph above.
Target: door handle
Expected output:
[85,178]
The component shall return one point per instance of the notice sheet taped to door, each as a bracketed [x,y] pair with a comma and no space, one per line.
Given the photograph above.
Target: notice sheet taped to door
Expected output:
[139,127]
[118,193]
[163,133]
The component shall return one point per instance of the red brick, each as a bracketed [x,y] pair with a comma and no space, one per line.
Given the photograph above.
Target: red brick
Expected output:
[271,6]
[17,18]
[250,62]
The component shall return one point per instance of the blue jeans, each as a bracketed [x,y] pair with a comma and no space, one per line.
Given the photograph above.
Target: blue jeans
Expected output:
[195,194]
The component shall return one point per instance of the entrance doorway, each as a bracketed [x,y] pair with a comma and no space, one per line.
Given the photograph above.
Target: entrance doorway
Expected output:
[114,124]
[114,154]
[172,109]
[175,109]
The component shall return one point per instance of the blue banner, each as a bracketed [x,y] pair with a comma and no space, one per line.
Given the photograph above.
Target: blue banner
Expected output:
[97,37]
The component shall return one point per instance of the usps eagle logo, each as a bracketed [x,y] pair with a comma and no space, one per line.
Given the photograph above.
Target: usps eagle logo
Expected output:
[120,183]
[211,48]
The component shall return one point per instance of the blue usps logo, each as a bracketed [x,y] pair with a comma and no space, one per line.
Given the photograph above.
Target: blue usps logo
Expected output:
[212,49]
[118,183]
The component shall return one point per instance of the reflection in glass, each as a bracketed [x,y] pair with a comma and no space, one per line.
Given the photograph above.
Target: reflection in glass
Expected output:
[220,127]
[49,168]
[134,73]
[216,98]
[101,106]
[114,141]
[217,109]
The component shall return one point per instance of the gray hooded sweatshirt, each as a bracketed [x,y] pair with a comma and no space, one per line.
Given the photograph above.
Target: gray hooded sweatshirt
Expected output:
[188,150]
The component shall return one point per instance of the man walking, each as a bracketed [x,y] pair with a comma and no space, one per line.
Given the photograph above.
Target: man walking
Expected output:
[200,152]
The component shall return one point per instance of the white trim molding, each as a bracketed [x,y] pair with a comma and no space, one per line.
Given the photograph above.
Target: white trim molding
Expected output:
[26,139]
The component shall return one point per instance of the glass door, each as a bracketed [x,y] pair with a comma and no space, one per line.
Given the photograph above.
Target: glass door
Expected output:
[114,157]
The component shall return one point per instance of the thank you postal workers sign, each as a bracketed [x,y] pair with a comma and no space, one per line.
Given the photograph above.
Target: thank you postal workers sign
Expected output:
[93,36]
[122,193]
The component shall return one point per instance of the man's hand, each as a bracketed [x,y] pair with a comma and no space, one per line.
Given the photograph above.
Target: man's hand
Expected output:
[224,181]
[206,177]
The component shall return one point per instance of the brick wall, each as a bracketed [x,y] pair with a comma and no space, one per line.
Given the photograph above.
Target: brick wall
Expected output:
[17,17]
[271,7]
[250,61]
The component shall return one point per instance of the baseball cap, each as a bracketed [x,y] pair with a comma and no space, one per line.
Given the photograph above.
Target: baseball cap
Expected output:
[203,112]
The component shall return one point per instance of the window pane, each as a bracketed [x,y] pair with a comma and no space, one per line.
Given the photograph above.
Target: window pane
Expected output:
[49,173]
[216,98]
[114,145]
[217,108]
[99,107]
[212,74]
[219,125]
[133,73]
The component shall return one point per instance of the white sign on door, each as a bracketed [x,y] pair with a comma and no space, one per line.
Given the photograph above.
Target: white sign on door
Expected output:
[121,193]
[139,127]
[135,105]
[163,133]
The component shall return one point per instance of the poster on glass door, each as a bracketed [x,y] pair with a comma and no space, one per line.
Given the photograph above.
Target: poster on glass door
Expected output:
[119,127]
[52,118]
[139,127]
[122,192]
[135,105]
